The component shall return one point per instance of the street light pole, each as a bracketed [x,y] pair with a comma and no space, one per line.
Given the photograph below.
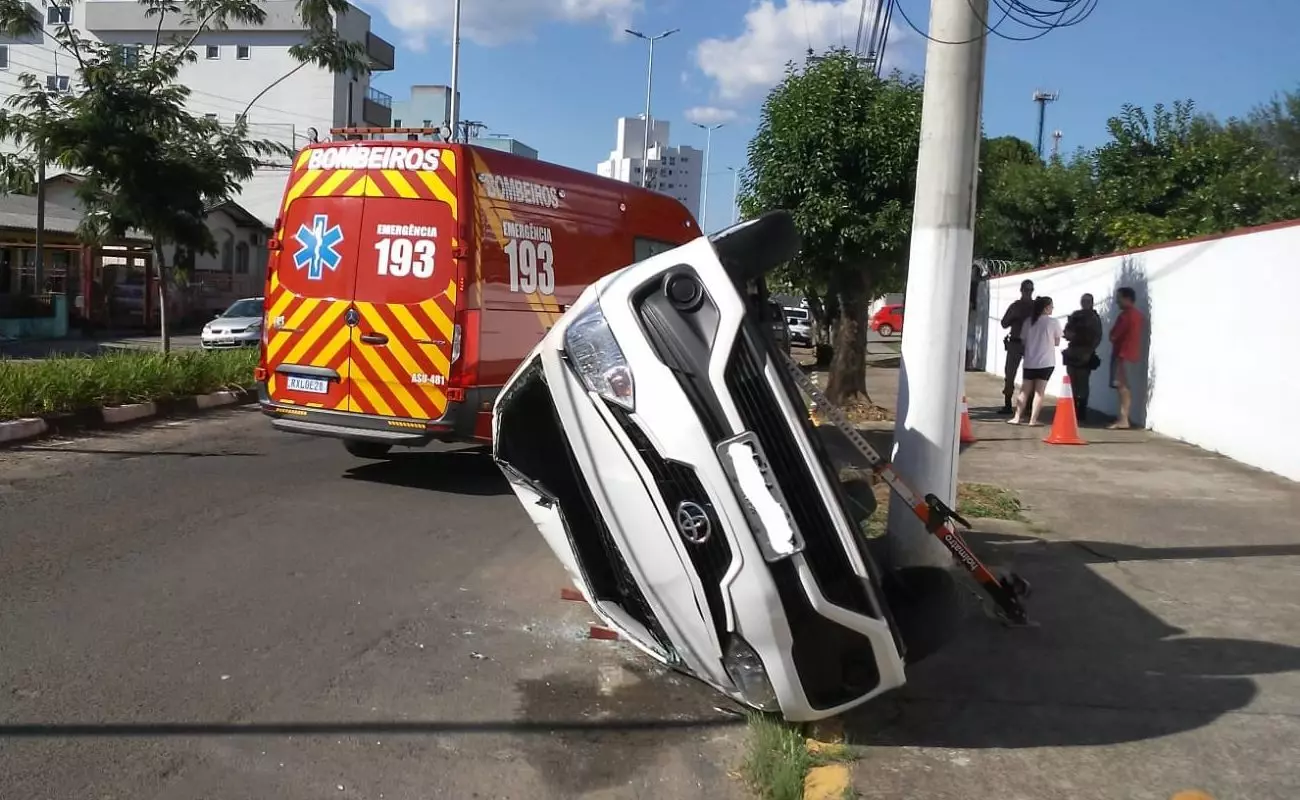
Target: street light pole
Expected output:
[649,82]
[735,191]
[704,188]
[455,72]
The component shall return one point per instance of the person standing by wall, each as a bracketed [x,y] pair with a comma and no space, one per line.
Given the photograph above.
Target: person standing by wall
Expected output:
[1041,335]
[1126,352]
[1083,332]
[1013,320]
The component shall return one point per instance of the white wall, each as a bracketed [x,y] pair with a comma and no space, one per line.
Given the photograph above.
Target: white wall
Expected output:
[1219,351]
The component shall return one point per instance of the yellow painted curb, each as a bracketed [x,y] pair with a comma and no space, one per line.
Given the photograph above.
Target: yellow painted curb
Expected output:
[831,781]
[1189,794]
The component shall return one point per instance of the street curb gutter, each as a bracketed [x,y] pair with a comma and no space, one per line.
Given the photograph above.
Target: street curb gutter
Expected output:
[23,430]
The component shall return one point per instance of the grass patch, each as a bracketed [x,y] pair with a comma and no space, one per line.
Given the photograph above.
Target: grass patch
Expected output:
[777,758]
[988,502]
[59,385]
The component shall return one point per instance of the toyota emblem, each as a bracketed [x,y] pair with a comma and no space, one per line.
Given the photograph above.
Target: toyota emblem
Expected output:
[693,522]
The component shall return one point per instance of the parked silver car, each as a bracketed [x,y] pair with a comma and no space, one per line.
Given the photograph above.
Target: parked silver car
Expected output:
[237,326]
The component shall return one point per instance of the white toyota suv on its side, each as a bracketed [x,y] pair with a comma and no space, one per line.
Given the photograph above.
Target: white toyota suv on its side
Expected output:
[668,460]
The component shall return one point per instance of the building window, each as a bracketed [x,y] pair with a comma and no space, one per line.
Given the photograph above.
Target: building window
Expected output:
[213,52]
[131,54]
[428,123]
[241,258]
[397,123]
[209,116]
[58,15]
[243,52]
[56,83]
[4,56]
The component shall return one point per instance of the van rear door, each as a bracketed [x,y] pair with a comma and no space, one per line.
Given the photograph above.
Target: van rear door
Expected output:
[309,292]
[405,293]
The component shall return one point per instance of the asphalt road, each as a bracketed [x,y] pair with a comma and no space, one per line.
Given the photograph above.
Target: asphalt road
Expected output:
[208,609]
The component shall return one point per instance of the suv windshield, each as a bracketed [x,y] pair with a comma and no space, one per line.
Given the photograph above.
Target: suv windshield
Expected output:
[796,314]
[245,308]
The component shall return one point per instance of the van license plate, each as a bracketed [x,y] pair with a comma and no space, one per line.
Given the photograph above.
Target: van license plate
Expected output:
[312,385]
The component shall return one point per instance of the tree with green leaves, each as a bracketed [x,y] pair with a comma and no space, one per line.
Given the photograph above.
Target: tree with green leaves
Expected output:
[1028,211]
[836,146]
[147,163]
[1278,124]
[1175,174]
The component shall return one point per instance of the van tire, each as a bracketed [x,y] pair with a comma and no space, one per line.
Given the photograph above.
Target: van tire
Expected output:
[362,449]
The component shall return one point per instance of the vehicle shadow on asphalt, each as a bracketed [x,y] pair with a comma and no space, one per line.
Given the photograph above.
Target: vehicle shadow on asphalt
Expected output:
[1100,669]
[469,471]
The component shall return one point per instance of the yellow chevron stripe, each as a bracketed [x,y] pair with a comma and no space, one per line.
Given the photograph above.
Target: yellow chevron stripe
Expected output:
[376,400]
[451,284]
[359,188]
[301,161]
[418,334]
[365,352]
[291,327]
[440,191]
[331,350]
[301,186]
[400,184]
[281,303]
[333,182]
[402,388]
[449,161]
[310,336]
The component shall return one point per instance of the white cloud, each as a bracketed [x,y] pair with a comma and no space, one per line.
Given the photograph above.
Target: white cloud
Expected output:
[494,22]
[710,115]
[778,32]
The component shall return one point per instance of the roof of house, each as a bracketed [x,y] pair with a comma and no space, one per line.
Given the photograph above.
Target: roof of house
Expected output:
[18,212]
[241,216]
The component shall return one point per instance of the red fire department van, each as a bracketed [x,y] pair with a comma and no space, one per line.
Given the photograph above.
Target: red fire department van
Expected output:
[408,278]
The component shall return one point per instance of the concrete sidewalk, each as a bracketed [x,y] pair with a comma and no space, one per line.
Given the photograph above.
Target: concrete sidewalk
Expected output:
[38,349]
[1168,656]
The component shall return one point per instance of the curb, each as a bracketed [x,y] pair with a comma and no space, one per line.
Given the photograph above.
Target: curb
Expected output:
[23,430]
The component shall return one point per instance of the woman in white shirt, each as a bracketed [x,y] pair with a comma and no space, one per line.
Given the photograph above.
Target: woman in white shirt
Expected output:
[1042,336]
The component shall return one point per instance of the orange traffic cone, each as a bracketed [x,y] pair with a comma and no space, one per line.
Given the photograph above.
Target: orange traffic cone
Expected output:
[1065,426]
[967,435]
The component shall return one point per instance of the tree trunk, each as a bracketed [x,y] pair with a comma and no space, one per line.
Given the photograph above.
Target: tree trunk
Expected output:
[164,333]
[847,382]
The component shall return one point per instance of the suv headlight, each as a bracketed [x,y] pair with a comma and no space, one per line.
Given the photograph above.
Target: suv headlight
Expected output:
[596,357]
[750,676]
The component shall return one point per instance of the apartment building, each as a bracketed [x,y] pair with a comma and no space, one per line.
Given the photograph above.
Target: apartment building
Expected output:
[241,69]
[672,170]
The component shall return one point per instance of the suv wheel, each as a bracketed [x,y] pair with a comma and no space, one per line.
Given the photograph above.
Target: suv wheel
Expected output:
[366,449]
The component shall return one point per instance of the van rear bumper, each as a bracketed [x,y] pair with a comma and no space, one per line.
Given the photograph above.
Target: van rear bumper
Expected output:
[459,423]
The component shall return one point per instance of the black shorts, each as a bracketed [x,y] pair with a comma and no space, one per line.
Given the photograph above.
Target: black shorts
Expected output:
[1043,374]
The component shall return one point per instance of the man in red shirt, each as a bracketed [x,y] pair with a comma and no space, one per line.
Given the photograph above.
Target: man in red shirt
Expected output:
[1126,352]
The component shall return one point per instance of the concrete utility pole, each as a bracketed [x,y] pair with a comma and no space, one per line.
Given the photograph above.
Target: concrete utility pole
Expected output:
[938,273]
[649,83]
[1042,99]
[704,188]
[454,122]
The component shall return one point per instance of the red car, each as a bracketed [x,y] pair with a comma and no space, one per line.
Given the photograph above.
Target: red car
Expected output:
[888,320]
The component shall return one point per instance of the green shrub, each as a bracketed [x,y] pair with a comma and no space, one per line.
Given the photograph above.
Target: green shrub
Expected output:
[33,388]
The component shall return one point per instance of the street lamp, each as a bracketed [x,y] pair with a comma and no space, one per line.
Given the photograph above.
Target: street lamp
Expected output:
[649,80]
[704,189]
[735,188]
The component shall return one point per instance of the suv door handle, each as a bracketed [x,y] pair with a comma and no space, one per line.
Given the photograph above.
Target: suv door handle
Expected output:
[374,338]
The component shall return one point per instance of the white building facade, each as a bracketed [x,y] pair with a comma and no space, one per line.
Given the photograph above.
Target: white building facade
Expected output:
[674,171]
[234,67]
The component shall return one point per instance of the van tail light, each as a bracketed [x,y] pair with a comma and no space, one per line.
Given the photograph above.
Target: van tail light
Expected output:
[260,374]
[463,371]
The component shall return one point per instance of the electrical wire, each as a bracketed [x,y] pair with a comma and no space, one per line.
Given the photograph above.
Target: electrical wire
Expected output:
[1043,16]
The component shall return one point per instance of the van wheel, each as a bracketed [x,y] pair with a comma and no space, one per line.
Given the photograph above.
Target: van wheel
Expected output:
[366,449]
[886,330]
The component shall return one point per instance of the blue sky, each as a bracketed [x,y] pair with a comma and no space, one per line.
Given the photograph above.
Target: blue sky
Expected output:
[557,73]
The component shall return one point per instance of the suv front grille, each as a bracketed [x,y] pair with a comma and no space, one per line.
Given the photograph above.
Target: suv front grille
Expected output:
[822,546]
[678,483]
